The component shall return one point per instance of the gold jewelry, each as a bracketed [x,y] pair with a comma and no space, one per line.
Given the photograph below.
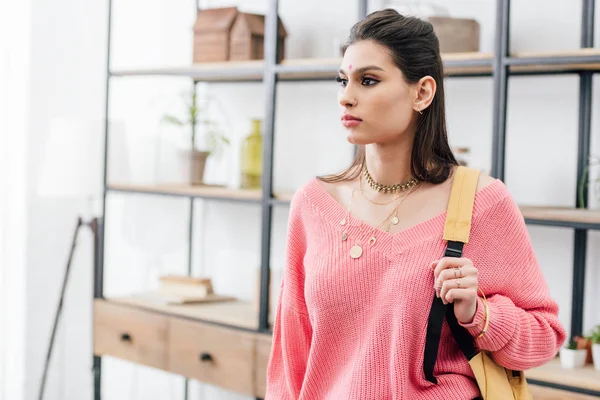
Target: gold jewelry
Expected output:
[458,283]
[356,251]
[372,201]
[395,219]
[388,188]
[487,315]
[420,112]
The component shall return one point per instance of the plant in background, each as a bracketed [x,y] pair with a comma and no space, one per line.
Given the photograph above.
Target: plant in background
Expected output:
[571,344]
[212,138]
[595,336]
[207,138]
[593,184]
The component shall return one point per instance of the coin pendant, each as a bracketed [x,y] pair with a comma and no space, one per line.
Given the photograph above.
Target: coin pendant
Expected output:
[395,221]
[356,251]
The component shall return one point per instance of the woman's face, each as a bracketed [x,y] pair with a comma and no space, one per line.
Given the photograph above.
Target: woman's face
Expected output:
[378,104]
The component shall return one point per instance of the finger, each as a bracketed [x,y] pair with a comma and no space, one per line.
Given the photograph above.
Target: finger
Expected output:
[450,262]
[460,294]
[457,272]
[462,283]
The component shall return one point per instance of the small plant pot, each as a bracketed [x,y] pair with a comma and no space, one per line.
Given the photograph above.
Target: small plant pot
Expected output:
[571,359]
[596,355]
[194,163]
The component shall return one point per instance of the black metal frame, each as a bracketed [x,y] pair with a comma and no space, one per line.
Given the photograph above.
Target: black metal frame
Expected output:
[271,71]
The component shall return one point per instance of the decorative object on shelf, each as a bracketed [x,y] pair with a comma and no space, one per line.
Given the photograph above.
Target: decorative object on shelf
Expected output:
[595,339]
[212,140]
[571,357]
[456,35]
[462,155]
[248,36]
[251,162]
[175,289]
[585,343]
[589,182]
[212,32]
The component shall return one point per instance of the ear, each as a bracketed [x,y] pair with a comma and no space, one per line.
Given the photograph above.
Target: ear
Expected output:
[425,92]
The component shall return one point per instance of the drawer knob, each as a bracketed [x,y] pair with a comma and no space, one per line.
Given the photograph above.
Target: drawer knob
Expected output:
[204,357]
[125,337]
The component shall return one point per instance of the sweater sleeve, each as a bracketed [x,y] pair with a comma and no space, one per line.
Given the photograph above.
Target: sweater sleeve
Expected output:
[524,330]
[292,331]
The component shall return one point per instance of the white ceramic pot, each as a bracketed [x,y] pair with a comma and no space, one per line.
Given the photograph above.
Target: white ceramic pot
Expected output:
[596,355]
[572,358]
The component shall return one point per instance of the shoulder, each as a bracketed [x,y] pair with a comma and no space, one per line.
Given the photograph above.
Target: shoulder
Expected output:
[485,181]
[311,194]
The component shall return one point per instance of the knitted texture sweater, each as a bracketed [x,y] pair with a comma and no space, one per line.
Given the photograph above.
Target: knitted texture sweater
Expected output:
[355,328]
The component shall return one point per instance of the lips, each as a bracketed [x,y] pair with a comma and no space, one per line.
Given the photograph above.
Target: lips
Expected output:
[350,121]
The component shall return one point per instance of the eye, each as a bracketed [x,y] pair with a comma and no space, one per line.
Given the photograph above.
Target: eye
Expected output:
[369,81]
[341,81]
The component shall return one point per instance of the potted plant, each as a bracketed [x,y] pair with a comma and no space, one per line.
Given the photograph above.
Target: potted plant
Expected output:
[586,180]
[572,357]
[595,338]
[206,137]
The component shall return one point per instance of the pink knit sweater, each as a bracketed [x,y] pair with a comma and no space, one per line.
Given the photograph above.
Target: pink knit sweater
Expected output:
[355,328]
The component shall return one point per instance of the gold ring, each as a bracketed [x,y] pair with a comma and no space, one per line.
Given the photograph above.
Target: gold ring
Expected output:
[458,283]
[455,273]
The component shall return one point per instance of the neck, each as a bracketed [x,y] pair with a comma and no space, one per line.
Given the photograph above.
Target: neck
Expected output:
[389,164]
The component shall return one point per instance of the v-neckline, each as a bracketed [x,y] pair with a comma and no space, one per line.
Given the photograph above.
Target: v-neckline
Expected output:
[334,212]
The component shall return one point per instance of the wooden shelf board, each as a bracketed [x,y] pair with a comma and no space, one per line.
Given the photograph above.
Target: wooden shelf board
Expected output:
[552,372]
[232,313]
[545,393]
[561,214]
[207,191]
[210,71]
[190,190]
[325,68]
[586,52]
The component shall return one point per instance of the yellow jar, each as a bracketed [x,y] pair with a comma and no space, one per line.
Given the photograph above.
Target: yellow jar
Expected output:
[252,157]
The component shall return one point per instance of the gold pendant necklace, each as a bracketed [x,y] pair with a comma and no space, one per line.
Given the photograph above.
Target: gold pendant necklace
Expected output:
[356,251]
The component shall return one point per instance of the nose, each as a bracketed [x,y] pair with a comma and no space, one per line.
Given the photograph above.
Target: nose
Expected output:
[345,97]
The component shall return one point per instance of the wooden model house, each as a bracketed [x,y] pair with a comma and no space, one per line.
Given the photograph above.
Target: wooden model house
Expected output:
[212,32]
[248,35]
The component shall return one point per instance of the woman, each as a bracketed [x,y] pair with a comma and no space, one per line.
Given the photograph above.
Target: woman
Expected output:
[364,249]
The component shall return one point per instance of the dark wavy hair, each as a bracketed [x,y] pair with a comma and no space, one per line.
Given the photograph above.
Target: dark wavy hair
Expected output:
[415,49]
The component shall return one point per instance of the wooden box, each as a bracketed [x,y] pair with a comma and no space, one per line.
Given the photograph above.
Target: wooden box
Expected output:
[248,35]
[456,35]
[212,32]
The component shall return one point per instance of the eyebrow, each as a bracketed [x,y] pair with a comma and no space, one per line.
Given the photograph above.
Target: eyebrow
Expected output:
[363,69]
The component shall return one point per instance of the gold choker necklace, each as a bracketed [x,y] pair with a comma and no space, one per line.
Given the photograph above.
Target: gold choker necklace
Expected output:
[388,188]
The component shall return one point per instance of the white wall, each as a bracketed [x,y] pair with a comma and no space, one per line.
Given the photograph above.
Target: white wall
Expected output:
[147,236]
[15,47]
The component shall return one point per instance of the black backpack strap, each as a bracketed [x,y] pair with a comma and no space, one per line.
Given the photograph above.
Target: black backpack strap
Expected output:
[438,312]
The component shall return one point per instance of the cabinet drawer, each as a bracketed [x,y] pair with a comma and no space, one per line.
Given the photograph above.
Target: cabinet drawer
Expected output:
[210,354]
[131,334]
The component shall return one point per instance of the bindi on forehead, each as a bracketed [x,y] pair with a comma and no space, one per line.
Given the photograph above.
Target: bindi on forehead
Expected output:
[350,67]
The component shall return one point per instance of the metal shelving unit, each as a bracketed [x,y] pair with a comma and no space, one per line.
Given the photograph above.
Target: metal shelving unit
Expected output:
[500,66]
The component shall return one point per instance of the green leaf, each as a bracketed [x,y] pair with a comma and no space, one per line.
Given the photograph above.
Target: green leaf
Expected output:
[171,119]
